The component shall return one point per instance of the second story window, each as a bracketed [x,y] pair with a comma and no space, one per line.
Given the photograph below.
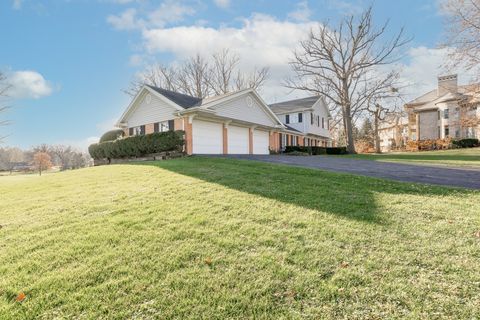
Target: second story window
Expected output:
[323,123]
[287,119]
[445,114]
[311,117]
[300,117]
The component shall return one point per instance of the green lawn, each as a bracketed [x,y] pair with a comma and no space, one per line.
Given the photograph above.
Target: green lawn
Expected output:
[221,238]
[468,158]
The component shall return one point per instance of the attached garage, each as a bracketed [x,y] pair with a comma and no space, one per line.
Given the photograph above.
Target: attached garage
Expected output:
[260,142]
[237,140]
[207,137]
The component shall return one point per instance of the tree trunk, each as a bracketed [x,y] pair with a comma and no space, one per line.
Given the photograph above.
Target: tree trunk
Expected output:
[347,120]
[377,136]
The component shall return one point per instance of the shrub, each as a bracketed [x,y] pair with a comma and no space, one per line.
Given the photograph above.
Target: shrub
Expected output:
[112,135]
[466,143]
[337,150]
[138,146]
[316,150]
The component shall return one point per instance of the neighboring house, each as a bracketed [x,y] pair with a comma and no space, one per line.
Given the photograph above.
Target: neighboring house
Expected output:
[307,121]
[234,123]
[448,111]
[393,132]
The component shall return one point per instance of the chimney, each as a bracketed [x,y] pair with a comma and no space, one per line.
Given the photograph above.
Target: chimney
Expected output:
[447,84]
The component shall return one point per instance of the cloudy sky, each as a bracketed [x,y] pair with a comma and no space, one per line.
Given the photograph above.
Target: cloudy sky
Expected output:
[68,60]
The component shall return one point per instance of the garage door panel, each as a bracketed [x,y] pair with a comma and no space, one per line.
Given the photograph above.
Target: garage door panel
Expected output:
[207,137]
[237,140]
[260,142]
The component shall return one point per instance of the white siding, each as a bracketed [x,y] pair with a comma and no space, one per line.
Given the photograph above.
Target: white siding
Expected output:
[300,126]
[319,109]
[145,113]
[240,110]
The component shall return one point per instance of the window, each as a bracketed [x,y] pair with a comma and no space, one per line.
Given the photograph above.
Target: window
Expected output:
[457,133]
[446,131]
[445,114]
[287,119]
[438,114]
[300,117]
[136,131]
[328,125]
[311,117]
[457,113]
[323,123]
[318,121]
[163,126]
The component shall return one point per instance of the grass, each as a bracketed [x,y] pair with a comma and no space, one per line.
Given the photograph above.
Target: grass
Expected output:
[222,238]
[467,158]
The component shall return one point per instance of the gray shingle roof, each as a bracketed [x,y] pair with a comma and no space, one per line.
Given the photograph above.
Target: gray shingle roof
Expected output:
[294,104]
[183,100]
[291,129]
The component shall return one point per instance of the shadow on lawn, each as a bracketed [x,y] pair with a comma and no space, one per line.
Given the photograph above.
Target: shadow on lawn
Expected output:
[420,156]
[346,195]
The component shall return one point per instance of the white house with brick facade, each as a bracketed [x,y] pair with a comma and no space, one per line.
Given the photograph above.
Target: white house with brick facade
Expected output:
[235,123]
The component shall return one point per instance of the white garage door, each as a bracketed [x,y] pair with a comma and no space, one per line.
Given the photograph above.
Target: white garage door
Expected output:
[260,142]
[207,137]
[237,140]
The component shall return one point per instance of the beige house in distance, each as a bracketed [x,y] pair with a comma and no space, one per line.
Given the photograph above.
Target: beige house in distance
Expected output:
[450,111]
[393,132]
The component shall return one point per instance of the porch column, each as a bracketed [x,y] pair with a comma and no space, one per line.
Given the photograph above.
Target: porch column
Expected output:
[250,140]
[188,121]
[225,137]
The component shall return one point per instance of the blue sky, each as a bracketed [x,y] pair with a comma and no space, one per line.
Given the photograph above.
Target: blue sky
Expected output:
[70,59]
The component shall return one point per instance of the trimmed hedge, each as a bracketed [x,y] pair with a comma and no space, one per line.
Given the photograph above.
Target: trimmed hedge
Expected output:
[316,150]
[466,143]
[137,146]
[112,135]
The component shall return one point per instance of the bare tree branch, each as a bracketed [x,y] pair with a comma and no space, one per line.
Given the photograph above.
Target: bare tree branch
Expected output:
[343,65]
[200,77]
[463,32]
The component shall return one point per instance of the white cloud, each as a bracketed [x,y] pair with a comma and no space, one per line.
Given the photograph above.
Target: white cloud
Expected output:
[302,13]
[127,20]
[28,85]
[107,125]
[222,3]
[260,41]
[424,66]
[17,4]
[169,12]
[80,145]
[346,7]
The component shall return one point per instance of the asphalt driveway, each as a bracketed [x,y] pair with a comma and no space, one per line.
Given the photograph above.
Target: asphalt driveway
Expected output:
[454,177]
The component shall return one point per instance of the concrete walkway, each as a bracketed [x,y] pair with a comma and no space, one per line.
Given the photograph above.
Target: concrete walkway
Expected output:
[446,176]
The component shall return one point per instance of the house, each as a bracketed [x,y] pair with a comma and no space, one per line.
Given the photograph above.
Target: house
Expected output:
[393,132]
[449,111]
[234,123]
[307,121]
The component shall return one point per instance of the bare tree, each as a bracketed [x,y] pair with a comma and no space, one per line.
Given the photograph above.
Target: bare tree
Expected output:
[343,65]
[193,77]
[42,161]
[222,71]
[10,157]
[463,31]
[200,77]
